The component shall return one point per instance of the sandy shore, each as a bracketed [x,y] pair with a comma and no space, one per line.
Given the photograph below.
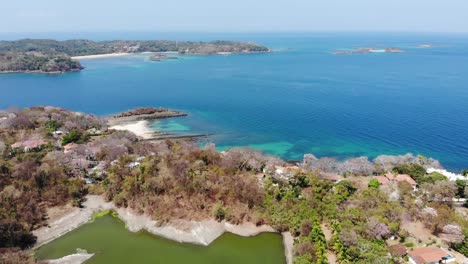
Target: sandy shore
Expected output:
[202,233]
[139,128]
[102,56]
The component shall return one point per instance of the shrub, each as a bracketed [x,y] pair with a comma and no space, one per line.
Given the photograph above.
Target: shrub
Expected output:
[374,183]
[75,136]
[409,244]
[416,171]
[52,125]
[219,212]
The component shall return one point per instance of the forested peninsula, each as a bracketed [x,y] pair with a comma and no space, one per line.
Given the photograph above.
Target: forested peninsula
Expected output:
[352,211]
[52,56]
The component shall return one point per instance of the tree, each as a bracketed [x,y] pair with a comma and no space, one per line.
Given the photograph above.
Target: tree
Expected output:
[75,136]
[377,229]
[374,184]
[320,244]
[21,121]
[452,234]
[219,212]
[15,256]
[441,191]
[433,177]
[13,234]
[52,125]
[461,185]
[357,166]
[416,171]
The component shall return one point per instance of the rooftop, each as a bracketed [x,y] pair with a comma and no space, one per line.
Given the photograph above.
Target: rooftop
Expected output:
[428,254]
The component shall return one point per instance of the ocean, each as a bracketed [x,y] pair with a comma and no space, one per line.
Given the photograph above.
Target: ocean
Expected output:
[299,99]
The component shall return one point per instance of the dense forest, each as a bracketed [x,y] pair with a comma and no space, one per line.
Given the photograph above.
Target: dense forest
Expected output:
[37,62]
[50,157]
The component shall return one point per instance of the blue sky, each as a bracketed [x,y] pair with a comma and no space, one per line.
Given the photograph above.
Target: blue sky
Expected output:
[234,16]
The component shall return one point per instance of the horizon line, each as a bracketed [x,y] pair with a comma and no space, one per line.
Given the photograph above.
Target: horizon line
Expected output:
[237,31]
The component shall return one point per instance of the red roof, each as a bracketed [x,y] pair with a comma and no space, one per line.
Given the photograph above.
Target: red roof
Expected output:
[428,254]
[382,180]
[406,178]
[390,176]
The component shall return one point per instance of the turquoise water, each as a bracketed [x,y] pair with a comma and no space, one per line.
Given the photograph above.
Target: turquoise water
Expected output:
[301,99]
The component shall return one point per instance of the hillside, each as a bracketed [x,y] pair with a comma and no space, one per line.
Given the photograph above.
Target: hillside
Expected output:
[51,157]
[37,62]
[88,47]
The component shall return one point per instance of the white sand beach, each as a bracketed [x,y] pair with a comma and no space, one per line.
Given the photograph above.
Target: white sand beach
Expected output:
[202,232]
[139,128]
[102,56]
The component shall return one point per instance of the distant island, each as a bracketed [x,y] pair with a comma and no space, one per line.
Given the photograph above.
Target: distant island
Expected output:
[369,50]
[162,57]
[52,56]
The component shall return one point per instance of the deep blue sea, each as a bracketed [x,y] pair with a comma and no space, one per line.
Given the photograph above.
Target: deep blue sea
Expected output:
[300,99]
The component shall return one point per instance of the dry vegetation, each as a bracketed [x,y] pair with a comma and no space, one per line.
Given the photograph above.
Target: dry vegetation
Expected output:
[178,180]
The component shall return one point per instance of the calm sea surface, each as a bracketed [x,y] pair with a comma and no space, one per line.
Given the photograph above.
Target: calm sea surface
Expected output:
[301,99]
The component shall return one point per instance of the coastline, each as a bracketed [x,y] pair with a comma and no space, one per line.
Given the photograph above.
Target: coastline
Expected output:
[81,256]
[139,128]
[139,123]
[120,54]
[97,56]
[40,72]
[182,231]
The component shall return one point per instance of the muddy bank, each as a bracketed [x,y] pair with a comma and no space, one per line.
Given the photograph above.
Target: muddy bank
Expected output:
[79,257]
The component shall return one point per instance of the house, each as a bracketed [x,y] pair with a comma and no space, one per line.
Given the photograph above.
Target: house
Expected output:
[429,255]
[390,178]
[29,145]
[406,178]
[382,180]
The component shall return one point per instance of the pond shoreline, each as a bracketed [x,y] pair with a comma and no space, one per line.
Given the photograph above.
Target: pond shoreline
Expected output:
[183,231]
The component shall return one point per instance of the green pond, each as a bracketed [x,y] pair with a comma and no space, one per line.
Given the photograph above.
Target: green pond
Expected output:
[111,242]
